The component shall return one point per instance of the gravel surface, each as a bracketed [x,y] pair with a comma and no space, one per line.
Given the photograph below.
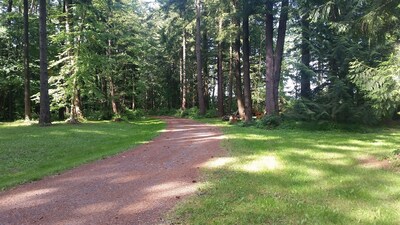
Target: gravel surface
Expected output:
[135,187]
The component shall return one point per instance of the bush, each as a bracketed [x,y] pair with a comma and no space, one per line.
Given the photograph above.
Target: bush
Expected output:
[129,114]
[211,113]
[192,113]
[269,121]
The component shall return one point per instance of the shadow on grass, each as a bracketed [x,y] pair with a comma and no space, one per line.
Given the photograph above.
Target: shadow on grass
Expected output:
[298,177]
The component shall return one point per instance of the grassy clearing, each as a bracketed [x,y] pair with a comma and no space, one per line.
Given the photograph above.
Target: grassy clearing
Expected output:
[29,152]
[298,177]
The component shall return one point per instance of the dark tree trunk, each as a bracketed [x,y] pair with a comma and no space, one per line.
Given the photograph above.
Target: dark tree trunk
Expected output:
[183,68]
[44,118]
[237,70]
[206,76]
[305,57]
[269,76]
[274,59]
[246,68]
[230,85]
[9,6]
[27,95]
[200,87]
[220,76]
[280,41]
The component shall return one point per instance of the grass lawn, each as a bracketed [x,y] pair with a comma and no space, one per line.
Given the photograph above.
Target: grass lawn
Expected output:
[30,152]
[298,177]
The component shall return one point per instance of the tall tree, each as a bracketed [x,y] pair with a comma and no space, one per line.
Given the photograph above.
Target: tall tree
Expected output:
[236,63]
[248,106]
[305,76]
[220,75]
[27,80]
[274,57]
[44,118]
[200,86]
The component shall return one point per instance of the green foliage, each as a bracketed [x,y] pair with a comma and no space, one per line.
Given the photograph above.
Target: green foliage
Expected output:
[63,146]
[192,113]
[130,115]
[381,85]
[269,121]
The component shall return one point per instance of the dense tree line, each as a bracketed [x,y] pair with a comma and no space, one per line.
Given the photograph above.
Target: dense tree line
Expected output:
[304,59]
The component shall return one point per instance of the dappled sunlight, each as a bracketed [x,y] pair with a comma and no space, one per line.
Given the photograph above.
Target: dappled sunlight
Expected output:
[257,164]
[219,162]
[24,198]
[124,179]
[171,189]
[95,208]
[337,147]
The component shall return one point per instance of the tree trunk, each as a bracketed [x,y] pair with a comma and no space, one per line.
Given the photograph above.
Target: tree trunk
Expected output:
[305,91]
[246,67]
[230,85]
[200,89]
[44,118]
[183,82]
[274,59]
[112,95]
[206,76]
[220,76]
[280,41]
[9,6]
[27,95]
[237,70]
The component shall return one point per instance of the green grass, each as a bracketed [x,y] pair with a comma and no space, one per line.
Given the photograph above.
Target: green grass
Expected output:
[30,152]
[297,177]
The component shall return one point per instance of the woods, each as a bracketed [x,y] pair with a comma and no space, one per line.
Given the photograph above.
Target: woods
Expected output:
[334,61]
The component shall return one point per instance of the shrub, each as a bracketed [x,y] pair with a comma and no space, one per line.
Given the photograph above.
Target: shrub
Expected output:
[269,121]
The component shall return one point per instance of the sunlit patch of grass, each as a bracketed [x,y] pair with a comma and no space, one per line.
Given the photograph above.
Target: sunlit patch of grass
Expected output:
[29,152]
[297,177]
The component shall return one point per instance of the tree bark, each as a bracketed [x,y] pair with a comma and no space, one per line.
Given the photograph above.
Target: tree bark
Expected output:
[183,68]
[200,87]
[237,70]
[44,118]
[27,80]
[220,75]
[280,41]
[9,6]
[230,85]
[246,67]
[305,91]
[274,58]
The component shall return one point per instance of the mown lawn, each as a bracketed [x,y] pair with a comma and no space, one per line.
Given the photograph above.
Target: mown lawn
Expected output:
[298,177]
[30,152]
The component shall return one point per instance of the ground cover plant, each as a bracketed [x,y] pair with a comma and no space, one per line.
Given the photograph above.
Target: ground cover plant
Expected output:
[295,176]
[29,152]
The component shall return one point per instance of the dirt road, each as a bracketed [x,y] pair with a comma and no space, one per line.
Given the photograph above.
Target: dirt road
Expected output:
[136,187]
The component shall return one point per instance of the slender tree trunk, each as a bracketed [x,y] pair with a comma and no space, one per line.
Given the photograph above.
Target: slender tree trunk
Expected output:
[44,118]
[111,83]
[9,6]
[183,82]
[27,94]
[133,92]
[246,67]
[280,41]
[274,59]
[230,85]
[220,75]
[237,70]
[200,88]
[305,57]
[206,76]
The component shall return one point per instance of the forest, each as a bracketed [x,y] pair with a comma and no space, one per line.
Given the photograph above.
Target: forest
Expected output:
[308,60]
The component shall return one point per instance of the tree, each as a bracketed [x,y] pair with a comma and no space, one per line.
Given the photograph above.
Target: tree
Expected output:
[200,87]
[274,56]
[27,80]
[248,106]
[44,118]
